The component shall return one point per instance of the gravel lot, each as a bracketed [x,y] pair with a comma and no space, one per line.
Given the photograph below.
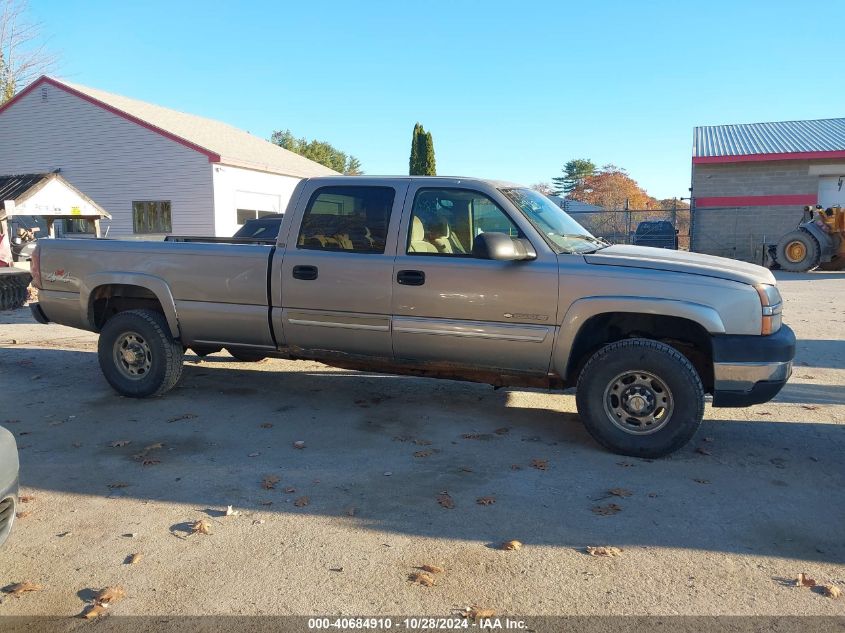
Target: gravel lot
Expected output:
[722,527]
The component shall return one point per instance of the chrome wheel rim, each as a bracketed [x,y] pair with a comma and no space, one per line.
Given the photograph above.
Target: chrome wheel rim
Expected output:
[638,402]
[133,356]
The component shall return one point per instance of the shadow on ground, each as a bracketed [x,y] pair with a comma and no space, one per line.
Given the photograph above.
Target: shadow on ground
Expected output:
[383,448]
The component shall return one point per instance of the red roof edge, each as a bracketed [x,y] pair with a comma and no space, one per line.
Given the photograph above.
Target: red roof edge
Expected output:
[751,158]
[212,156]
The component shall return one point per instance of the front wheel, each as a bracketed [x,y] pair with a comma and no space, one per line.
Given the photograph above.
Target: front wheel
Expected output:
[137,355]
[798,252]
[640,398]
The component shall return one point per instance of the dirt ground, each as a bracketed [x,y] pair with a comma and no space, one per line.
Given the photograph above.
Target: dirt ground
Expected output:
[721,527]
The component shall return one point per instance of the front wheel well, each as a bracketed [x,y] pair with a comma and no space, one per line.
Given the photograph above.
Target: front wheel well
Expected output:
[111,299]
[687,336]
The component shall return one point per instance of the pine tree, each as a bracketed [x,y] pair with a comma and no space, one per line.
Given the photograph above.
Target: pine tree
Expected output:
[574,173]
[429,166]
[414,161]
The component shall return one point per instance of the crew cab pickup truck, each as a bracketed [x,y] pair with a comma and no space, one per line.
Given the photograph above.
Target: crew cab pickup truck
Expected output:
[452,278]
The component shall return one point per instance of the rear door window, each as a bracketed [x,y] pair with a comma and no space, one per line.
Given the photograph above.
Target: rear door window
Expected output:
[352,219]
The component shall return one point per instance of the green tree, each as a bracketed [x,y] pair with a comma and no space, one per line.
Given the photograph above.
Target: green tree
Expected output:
[574,173]
[422,162]
[318,151]
[429,164]
[414,160]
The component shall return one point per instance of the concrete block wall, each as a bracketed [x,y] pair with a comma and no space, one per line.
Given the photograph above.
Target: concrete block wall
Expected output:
[739,232]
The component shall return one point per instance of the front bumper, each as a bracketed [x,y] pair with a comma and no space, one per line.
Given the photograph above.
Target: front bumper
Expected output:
[750,370]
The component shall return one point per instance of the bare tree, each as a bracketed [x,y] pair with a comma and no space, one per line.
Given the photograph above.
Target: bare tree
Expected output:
[543,187]
[23,52]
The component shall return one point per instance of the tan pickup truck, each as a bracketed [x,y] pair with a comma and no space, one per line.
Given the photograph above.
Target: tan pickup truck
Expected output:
[446,278]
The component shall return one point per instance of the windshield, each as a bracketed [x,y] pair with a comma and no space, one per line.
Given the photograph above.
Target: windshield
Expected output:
[562,232]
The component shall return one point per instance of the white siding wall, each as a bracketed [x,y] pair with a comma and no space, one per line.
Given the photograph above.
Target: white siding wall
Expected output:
[236,188]
[110,159]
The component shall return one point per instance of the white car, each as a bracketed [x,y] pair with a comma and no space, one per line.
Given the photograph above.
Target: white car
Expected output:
[8,482]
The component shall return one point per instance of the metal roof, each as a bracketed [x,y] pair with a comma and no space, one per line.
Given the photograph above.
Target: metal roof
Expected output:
[780,137]
[221,142]
[13,187]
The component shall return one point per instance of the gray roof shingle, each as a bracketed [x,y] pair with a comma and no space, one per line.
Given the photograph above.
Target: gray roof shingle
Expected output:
[234,146]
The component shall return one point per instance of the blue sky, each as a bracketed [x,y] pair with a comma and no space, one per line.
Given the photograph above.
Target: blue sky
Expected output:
[509,90]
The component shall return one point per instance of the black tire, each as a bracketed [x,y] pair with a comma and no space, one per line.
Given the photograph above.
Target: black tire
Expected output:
[13,289]
[158,363]
[646,360]
[808,245]
[244,356]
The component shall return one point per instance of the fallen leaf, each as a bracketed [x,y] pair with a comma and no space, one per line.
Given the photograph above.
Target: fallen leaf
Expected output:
[267,425]
[422,454]
[20,588]
[232,513]
[604,550]
[445,500]
[110,595]
[201,527]
[620,492]
[510,546]
[485,501]
[420,442]
[472,436]
[184,416]
[120,443]
[701,481]
[93,611]
[134,559]
[26,498]
[540,464]
[336,569]
[299,444]
[269,482]
[803,580]
[702,451]
[290,490]
[266,503]
[625,464]
[255,454]
[149,461]
[153,447]
[302,502]
[23,514]
[502,431]
[422,578]
[762,413]
[258,521]
[831,591]
[117,484]
[465,469]
[610,508]
[477,613]
[810,407]
[432,569]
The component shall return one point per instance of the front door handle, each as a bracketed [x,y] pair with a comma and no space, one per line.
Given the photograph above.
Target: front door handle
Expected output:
[305,273]
[410,277]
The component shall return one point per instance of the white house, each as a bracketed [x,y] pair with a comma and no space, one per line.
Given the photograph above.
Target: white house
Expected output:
[156,170]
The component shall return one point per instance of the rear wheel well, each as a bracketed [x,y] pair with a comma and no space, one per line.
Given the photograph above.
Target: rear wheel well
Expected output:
[111,299]
[686,336]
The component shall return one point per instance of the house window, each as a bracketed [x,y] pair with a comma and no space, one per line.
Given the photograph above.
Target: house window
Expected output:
[250,214]
[151,216]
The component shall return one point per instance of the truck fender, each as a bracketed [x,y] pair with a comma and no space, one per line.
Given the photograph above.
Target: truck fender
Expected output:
[156,285]
[826,246]
[584,309]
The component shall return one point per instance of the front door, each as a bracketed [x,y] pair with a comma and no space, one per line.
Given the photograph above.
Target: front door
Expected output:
[337,270]
[454,309]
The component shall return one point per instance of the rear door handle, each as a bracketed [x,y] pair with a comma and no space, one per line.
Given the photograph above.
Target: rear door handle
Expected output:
[305,273]
[410,277]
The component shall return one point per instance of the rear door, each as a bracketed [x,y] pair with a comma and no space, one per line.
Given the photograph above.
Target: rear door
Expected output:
[453,309]
[337,268]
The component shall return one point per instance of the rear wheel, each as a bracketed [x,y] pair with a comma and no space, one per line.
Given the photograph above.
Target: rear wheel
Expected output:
[798,252]
[244,356]
[640,397]
[137,355]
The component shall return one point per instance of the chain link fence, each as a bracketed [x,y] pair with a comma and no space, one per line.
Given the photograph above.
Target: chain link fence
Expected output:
[666,228]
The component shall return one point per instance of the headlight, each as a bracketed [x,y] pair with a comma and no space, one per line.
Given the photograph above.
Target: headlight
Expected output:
[772,308]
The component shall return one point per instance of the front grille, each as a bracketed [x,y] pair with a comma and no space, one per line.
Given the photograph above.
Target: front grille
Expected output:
[7,512]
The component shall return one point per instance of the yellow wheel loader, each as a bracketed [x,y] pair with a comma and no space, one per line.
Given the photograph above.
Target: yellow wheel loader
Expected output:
[818,242]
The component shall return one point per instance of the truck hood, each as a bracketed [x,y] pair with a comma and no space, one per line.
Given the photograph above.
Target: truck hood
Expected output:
[681,262]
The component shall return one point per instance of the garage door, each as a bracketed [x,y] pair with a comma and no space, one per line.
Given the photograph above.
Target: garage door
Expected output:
[832,191]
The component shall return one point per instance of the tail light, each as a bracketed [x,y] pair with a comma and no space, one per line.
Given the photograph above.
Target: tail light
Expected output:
[35,266]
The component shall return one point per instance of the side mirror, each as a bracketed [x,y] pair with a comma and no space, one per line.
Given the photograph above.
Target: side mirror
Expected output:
[502,247]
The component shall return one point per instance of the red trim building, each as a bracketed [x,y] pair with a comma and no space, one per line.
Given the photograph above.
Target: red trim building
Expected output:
[750,182]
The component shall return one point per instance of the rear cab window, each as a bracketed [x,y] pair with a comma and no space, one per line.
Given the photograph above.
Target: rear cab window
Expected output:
[350,219]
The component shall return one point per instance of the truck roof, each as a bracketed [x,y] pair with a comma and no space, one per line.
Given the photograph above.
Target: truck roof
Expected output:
[433,180]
